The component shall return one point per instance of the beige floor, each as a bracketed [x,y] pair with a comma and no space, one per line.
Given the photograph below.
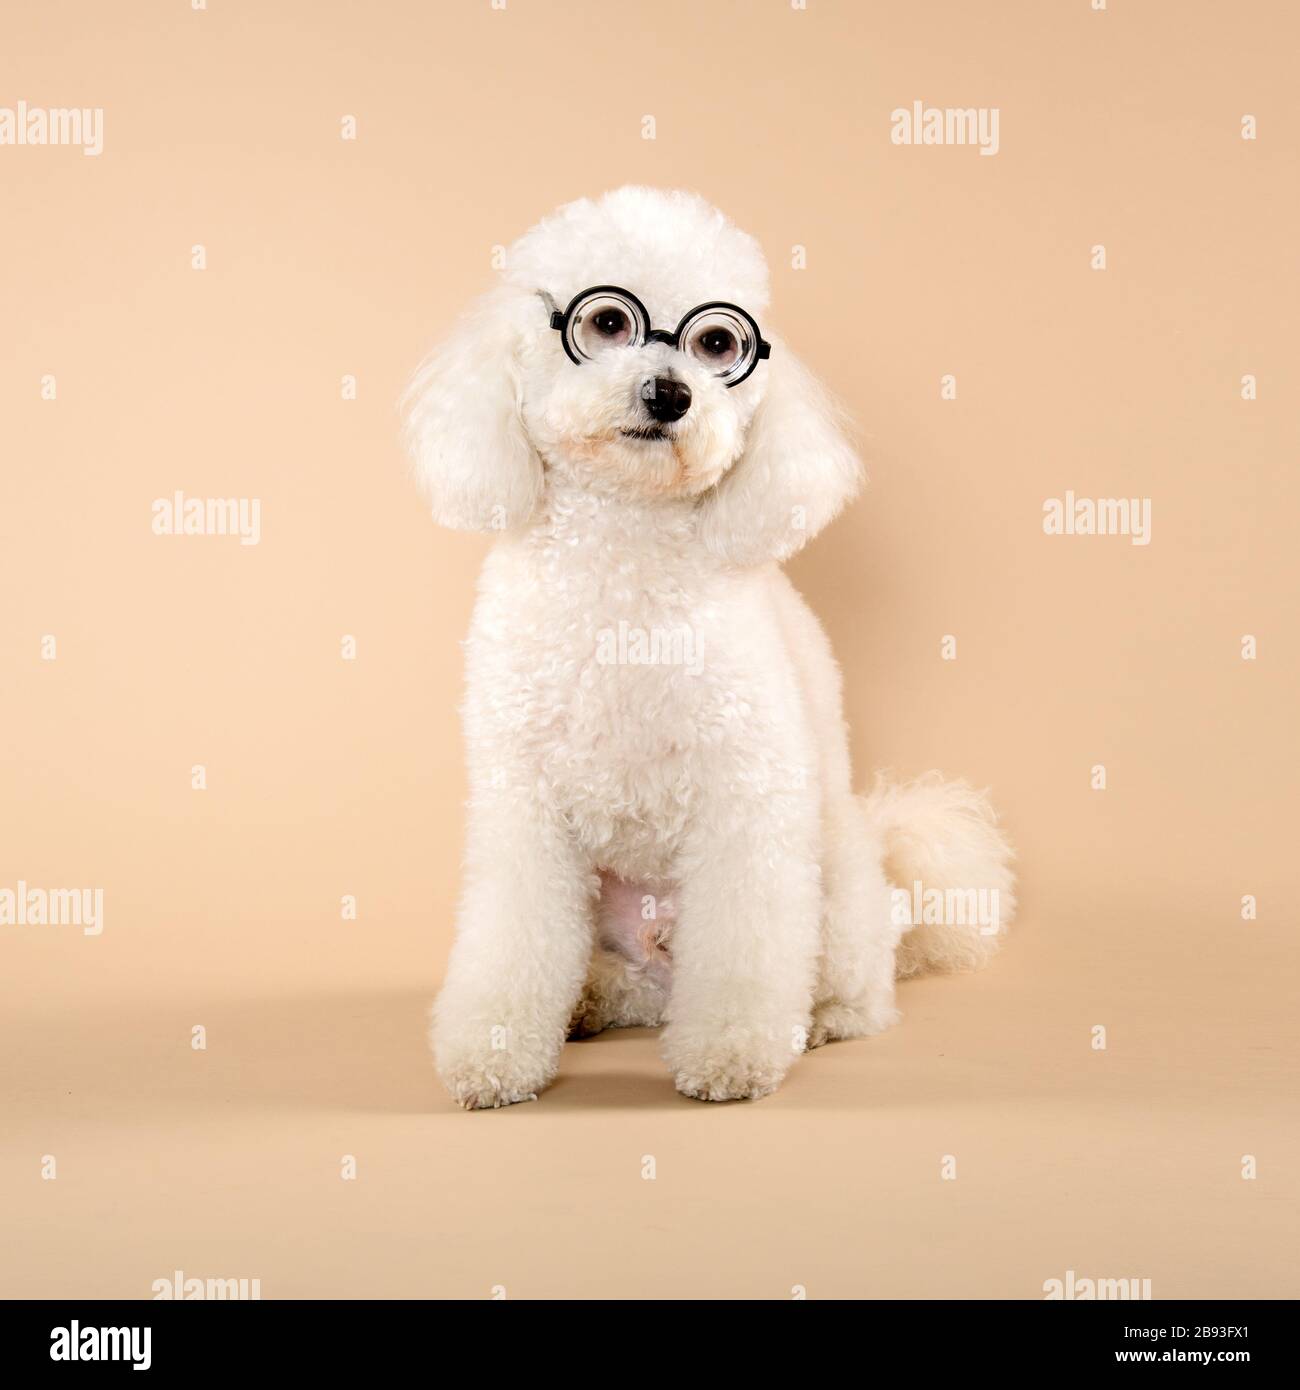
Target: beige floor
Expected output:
[226,1163]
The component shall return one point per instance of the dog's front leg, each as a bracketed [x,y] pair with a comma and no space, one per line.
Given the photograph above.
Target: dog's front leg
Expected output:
[744,950]
[523,940]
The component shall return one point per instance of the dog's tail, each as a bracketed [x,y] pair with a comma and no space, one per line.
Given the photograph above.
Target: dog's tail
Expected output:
[944,852]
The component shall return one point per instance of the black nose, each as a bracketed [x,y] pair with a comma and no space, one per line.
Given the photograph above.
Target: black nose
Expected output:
[666,398]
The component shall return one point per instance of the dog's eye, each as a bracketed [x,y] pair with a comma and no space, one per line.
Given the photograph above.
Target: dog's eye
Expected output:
[604,322]
[610,323]
[717,342]
[713,342]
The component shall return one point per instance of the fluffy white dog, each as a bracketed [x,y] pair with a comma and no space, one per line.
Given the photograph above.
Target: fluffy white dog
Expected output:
[662,824]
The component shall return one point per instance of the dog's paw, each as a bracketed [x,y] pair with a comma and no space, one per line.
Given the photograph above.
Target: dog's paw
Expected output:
[732,1066]
[489,1079]
[733,1082]
[480,1089]
[836,1022]
[589,1017]
[486,1093]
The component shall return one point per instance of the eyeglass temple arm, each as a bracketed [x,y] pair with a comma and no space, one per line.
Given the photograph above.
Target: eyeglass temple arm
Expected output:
[557,318]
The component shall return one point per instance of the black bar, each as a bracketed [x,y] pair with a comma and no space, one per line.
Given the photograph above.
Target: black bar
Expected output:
[1044,1338]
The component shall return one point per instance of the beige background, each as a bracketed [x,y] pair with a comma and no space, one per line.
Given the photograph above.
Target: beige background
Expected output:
[328,777]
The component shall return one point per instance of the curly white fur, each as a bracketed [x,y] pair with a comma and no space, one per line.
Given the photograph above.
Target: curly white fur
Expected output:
[662,826]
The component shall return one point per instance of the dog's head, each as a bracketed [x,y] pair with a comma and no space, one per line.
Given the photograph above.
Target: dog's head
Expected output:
[625,353]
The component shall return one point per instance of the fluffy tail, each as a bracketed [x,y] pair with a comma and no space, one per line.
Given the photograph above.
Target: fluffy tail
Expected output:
[943,849]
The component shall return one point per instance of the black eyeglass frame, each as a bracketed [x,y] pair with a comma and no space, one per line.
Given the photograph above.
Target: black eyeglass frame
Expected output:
[560,320]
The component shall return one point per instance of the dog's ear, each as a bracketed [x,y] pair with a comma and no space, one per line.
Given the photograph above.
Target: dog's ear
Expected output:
[796,472]
[464,427]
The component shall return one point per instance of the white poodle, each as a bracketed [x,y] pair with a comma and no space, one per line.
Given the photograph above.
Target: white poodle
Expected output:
[662,824]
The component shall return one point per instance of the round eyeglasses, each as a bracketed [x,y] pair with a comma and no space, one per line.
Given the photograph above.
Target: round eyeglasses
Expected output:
[722,337]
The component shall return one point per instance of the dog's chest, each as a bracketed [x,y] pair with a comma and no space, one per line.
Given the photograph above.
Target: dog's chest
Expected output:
[597,648]
[627,697]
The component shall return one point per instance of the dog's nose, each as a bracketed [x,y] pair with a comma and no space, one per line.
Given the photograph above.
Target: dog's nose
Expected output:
[666,398]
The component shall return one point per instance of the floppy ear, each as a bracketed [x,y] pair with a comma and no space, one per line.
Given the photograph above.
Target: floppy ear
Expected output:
[464,427]
[796,472]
